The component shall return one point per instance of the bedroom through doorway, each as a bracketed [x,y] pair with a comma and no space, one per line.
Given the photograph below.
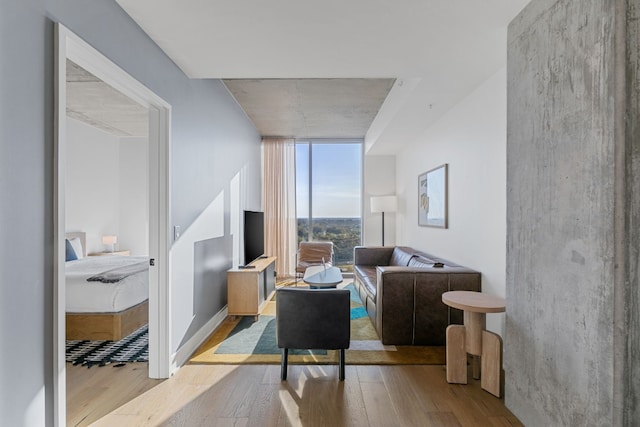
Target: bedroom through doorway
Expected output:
[111,211]
[107,222]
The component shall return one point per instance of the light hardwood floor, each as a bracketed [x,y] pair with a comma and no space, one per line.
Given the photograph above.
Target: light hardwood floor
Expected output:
[253,395]
[93,393]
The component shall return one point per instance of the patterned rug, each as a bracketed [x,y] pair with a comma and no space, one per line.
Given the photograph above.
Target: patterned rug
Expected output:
[245,340]
[132,348]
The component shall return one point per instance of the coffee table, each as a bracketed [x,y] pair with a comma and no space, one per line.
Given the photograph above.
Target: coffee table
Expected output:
[318,277]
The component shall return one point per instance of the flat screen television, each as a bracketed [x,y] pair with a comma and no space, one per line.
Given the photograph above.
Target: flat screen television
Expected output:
[253,235]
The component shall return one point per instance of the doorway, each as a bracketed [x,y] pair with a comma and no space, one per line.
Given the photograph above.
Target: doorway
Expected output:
[70,47]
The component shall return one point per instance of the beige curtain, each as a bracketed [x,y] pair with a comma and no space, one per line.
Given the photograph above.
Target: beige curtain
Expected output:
[279,200]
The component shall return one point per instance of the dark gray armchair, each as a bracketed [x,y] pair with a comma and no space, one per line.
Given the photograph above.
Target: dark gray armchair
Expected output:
[312,319]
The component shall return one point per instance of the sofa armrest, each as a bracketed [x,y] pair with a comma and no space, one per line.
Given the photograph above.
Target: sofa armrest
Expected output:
[409,307]
[372,255]
[395,305]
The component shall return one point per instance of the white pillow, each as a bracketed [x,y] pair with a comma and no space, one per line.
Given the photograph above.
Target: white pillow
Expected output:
[76,244]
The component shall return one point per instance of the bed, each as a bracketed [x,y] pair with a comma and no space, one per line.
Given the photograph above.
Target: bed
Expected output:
[105,308]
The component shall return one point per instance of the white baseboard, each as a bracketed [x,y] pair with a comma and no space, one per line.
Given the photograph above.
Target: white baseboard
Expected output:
[184,353]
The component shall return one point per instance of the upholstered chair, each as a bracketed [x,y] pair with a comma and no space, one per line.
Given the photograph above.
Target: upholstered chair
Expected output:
[312,319]
[313,253]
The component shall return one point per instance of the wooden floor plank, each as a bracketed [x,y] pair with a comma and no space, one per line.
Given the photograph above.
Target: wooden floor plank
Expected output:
[369,374]
[501,422]
[405,398]
[377,402]
[249,395]
[94,392]
[443,419]
[265,408]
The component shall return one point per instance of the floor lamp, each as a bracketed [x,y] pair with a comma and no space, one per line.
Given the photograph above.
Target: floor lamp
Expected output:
[383,204]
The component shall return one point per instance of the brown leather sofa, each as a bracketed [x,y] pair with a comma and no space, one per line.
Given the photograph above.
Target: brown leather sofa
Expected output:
[402,289]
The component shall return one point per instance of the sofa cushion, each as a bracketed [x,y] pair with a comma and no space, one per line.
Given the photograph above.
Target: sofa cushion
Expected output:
[368,278]
[432,259]
[420,262]
[401,256]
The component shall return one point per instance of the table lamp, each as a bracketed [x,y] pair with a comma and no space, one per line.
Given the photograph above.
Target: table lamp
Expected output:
[110,240]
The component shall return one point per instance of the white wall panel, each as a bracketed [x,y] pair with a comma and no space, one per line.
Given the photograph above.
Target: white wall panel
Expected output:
[471,138]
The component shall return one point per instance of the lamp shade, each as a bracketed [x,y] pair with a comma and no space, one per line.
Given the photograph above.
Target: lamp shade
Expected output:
[384,204]
[109,240]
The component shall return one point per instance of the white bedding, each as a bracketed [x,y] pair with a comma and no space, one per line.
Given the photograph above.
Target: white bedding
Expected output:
[98,297]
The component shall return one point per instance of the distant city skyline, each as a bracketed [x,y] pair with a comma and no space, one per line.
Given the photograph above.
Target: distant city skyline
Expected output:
[337,174]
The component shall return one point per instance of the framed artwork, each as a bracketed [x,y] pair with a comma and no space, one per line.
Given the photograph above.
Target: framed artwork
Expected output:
[432,197]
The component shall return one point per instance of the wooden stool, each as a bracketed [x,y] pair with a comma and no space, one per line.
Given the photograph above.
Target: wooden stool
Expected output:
[472,338]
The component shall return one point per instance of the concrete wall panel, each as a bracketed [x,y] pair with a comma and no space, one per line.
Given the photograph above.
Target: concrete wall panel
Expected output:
[628,352]
[569,209]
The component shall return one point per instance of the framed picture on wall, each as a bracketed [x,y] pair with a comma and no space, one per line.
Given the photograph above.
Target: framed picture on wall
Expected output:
[432,197]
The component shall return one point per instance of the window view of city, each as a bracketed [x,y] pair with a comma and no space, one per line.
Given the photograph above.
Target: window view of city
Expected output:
[343,232]
[328,188]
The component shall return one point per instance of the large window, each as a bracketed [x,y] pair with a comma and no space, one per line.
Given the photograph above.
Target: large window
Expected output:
[328,188]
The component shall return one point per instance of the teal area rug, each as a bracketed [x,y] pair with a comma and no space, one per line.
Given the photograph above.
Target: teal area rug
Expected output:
[251,337]
[246,340]
[259,337]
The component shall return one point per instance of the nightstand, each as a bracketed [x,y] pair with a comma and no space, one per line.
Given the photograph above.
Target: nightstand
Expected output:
[124,253]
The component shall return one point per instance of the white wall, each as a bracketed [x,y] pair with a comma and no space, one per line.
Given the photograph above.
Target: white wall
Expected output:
[379,180]
[471,138]
[92,193]
[211,141]
[133,233]
[106,191]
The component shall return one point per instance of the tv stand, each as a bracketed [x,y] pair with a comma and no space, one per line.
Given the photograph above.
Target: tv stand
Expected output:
[250,289]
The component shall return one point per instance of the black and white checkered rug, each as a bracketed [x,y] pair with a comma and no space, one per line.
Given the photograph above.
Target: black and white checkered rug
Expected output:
[133,348]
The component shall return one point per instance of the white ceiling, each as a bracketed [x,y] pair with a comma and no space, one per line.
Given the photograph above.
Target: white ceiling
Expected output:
[438,50]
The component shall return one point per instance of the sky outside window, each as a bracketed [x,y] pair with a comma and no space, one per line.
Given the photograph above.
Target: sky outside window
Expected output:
[336,180]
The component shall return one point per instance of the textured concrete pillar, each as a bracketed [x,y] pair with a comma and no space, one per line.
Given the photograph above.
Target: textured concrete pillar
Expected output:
[572,346]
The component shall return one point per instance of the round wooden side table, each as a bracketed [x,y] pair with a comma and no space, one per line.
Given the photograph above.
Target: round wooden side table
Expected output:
[474,339]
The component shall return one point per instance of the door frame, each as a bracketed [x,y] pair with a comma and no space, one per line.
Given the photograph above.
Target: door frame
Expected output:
[70,46]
